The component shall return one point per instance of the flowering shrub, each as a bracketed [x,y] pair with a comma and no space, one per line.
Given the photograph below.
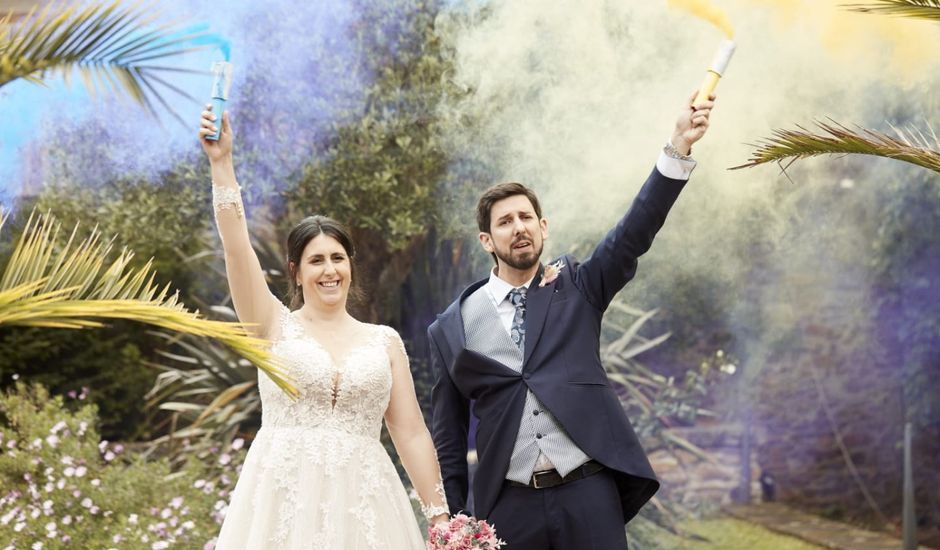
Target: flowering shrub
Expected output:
[62,487]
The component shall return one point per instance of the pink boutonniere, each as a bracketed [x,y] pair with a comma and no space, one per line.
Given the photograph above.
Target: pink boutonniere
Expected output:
[551,272]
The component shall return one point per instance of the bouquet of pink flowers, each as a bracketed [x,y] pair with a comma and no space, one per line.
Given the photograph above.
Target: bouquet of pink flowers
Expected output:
[463,532]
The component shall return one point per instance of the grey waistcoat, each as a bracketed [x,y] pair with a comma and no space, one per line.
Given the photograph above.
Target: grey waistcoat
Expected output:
[539,432]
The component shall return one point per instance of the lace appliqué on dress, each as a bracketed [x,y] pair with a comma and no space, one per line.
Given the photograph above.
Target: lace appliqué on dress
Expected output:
[432,510]
[334,426]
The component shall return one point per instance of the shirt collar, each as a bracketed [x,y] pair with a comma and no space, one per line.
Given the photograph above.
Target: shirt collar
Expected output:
[500,289]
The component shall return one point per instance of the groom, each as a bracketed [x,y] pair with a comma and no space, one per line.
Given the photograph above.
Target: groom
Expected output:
[559,464]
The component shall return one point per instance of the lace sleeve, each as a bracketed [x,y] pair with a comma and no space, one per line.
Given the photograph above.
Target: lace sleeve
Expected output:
[432,509]
[227,198]
[392,338]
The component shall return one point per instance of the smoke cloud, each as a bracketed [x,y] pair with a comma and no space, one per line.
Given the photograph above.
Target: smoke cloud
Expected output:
[576,99]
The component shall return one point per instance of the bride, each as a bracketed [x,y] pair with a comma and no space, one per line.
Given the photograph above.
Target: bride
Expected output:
[317,475]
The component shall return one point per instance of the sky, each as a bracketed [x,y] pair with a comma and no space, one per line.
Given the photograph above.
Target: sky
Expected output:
[136,141]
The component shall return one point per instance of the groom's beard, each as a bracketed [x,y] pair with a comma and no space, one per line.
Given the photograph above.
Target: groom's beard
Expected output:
[523,260]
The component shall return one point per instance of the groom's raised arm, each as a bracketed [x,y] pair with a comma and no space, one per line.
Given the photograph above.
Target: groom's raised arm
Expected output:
[613,263]
[450,423]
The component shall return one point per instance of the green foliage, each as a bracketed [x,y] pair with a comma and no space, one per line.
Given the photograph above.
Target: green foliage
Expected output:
[109,360]
[379,171]
[165,219]
[63,486]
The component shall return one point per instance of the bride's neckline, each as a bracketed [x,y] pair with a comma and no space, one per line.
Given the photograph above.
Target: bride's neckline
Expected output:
[368,337]
[359,340]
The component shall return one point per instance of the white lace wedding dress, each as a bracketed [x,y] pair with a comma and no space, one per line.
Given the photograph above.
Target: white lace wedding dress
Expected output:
[316,475]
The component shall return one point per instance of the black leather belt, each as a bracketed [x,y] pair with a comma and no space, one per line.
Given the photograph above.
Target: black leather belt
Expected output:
[551,478]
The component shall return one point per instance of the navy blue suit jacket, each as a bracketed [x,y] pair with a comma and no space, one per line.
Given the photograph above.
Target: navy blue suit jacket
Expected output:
[561,366]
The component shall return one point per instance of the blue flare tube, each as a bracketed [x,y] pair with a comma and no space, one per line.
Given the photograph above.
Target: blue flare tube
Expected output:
[221,85]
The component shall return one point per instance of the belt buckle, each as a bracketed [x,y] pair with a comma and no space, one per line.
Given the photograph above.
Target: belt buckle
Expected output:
[535,479]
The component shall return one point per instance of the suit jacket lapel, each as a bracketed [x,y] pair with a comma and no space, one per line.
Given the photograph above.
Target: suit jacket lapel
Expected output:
[537,302]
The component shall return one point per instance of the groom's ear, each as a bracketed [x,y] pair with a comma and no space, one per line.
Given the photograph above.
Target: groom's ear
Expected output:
[487,241]
[543,224]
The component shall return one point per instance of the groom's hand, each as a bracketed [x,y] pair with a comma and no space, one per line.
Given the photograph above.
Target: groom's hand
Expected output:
[692,124]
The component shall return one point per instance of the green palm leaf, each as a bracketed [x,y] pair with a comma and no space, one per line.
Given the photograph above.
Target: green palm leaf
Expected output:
[110,46]
[918,9]
[50,284]
[911,146]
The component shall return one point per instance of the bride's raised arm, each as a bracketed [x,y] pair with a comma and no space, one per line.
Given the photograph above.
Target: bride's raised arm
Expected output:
[411,436]
[253,301]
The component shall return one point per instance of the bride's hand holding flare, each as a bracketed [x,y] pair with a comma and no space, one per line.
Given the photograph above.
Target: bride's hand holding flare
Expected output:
[221,148]
[692,123]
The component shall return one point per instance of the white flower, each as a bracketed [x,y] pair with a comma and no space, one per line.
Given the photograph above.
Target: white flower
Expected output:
[67,520]
[116,538]
[50,526]
[60,425]
[188,525]
[160,545]
[67,460]
[69,472]
[36,546]
[86,502]
[47,505]
[132,519]
[52,440]
[81,471]
[176,502]
[238,444]
[199,483]
[95,482]
[225,459]
[19,526]
[108,456]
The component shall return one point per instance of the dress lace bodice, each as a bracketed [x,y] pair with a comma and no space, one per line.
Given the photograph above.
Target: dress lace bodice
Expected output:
[349,393]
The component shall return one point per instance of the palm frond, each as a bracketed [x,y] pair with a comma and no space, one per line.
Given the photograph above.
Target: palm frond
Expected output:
[109,45]
[50,284]
[909,146]
[210,394]
[918,9]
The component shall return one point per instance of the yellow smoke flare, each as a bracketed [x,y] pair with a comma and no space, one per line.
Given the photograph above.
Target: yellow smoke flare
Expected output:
[707,11]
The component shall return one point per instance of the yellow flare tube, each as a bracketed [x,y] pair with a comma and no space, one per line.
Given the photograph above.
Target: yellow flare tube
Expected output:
[708,86]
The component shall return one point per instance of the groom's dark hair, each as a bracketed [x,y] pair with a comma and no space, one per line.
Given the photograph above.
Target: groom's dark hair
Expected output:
[497,193]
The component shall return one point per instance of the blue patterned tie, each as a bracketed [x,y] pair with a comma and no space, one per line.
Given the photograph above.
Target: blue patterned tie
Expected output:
[517,332]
